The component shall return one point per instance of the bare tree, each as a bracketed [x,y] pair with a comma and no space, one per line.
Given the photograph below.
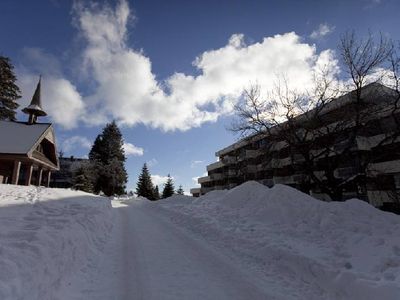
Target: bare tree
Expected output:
[294,118]
[321,135]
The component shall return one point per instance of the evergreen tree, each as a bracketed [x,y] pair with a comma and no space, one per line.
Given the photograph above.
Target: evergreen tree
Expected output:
[180,190]
[107,162]
[114,174]
[9,91]
[168,188]
[97,153]
[145,187]
[81,179]
[156,193]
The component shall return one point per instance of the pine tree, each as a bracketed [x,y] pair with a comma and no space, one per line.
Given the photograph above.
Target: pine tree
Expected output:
[107,161]
[9,91]
[180,191]
[97,152]
[145,187]
[115,175]
[168,188]
[81,179]
[156,193]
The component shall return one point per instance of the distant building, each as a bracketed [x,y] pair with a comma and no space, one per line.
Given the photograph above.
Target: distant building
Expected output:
[28,149]
[196,192]
[64,177]
[248,159]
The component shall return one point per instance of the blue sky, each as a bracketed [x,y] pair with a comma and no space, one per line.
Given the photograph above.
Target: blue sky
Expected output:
[170,71]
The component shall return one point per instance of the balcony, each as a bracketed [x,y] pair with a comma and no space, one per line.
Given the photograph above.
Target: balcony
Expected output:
[279,163]
[384,167]
[251,168]
[298,158]
[260,167]
[253,153]
[248,154]
[284,180]
[228,160]
[366,143]
[194,191]
[268,182]
[216,165]
[320,175]
[345,172]
[217,176]
[232,173]
[204,179]
[206,190]
[219,187]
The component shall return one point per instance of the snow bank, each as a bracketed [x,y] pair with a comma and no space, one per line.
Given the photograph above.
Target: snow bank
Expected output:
[48,237]
[304,248]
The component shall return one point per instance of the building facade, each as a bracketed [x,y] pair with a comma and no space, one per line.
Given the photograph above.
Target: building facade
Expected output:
[374,145]
[28,149]
[63,178]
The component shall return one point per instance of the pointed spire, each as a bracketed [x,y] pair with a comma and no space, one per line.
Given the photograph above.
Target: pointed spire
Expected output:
[35,109]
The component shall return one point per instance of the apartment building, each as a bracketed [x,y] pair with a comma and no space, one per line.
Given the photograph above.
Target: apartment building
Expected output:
[373,144]
[63,178]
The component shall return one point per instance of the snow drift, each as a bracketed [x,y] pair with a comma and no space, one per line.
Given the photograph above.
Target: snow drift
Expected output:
[48,237]
[52,240]
[303,248]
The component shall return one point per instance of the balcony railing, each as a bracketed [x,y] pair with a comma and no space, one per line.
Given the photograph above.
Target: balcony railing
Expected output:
[251,168]
[206,190]
[195,191]
[204,179]
[217,176]
[249,154]
[279,163]
[283,180]
[216,165]
[220,187]
[232,173]
[228,160]
[385,167]
[253,153]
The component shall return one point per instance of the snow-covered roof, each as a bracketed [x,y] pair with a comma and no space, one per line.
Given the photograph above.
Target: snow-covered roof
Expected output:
[19,137]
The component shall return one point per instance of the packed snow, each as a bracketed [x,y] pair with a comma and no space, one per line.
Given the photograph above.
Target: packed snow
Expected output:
[48,239]
[251,242]
[304,248]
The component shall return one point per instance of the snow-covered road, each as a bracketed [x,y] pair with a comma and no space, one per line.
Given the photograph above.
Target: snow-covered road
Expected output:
[150,258]
[251,242]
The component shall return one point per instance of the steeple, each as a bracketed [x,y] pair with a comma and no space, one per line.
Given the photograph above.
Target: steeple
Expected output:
[35,109]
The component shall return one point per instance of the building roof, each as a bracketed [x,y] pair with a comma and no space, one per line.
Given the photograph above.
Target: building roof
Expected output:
[36,103]
[20,137]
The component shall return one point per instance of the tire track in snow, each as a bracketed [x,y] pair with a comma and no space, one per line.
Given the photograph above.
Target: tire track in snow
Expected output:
[150,258]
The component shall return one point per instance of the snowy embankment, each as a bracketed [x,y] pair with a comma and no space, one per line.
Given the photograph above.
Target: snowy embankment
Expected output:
[49,237]
[302,247]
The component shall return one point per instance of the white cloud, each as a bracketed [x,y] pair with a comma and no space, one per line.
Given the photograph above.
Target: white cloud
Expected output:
[60,98]
[75,142]
[197,177]
[131,149]
[182,101]
[369,4]
[194,163]
[196,184]
[322,30]
[152,162]
[159,180]
[127,90]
